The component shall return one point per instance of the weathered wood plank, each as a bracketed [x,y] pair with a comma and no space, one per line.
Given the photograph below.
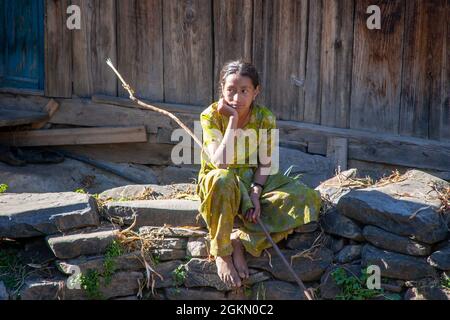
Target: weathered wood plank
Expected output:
[281,59]
[92,45]
[51,108]
[140,47]
[422,67]
[57,137]
[382,147]
[377,65]
[232,34]
[336,62]
[12,117]
[313,89]
[58,50]
[337,151]
[188,56]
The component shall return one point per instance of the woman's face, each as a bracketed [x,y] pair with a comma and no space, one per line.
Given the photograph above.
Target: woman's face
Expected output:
[239,92]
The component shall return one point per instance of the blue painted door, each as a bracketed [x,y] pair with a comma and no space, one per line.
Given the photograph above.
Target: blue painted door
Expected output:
[22,44]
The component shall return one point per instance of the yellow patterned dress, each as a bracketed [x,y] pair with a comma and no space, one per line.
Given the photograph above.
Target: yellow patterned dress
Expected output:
[286,203]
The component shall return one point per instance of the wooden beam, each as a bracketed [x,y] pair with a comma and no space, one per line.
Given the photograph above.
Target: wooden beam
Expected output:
[12,117]
[337,151]
[78,136]
[51,107]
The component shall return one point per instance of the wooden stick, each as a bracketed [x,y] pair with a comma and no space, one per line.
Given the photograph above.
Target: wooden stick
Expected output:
[127,87]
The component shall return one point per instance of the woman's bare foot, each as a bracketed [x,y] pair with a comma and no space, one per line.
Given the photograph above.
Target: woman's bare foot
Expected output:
[227,272]
[239,258]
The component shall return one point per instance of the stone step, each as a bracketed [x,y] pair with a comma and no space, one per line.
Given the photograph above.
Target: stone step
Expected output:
[38,214]
[174,232]
[89,242]
[172,212]
[408,207]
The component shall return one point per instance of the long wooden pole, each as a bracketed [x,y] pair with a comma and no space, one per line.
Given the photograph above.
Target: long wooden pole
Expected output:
[128,88]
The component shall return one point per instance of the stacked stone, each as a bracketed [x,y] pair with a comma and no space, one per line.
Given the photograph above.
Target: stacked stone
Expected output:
[397,227]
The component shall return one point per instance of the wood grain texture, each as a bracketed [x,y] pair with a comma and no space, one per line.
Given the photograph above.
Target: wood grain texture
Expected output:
[140,47]
[422,67]
[232,34]
[336,62]
[279,51]
[188,54]
[92,45]
[58,50]
[377,66]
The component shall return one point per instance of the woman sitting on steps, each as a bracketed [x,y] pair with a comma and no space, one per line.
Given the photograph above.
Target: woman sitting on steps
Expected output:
[234,185]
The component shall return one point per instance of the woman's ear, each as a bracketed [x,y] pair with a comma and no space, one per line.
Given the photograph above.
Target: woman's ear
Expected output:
[257,90]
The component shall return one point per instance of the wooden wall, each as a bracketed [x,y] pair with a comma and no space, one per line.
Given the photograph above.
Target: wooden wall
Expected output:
[318,61]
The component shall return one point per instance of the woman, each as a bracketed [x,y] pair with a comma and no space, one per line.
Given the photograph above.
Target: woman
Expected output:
[230,187]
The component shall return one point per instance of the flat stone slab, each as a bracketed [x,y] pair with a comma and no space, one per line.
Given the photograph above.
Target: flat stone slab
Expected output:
[396,265]
[441,258]
[194,294]
[407,208]
[276,290]
[334,188]
[147,191]
[129,262]
[307,268]
[198,247]
[390,241]
[174,232]
[77,244]
[177,213]
[203,273]
[349,253]
[337,224]
[169,254]
[38,214]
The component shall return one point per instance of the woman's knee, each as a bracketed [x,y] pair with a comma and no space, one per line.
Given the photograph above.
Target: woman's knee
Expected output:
[224,177]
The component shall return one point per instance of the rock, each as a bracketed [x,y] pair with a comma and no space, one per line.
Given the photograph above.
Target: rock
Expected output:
[174,232]
[169,243]
[332,189]
[349,254]
[147,192]
[427,293]
[407,208]
[302,241]
[193,294]
[307,268]
[396,265]
[169,254]
[28,215]
[335,244]
[175,213]
[336,224]
[42,289]
[77,244]
[276,290]
[166,269]
[307,228]
[129,262]
[313,168]
[39,178]
[203,273]
[329,289]
[36,251]
[3,293]
[197,248]
[441,258]
[387,240]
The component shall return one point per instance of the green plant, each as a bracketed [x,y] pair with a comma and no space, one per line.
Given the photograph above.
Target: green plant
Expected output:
[179,275]
[113,251]
[445,281]
[90,282]
[80,190]
[353,288]
[3,187]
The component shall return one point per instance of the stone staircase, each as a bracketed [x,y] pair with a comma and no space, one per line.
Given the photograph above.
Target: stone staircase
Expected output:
[369,226]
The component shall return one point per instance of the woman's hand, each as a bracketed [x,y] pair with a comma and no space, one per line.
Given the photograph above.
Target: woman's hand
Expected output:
[253,214]
[225,109]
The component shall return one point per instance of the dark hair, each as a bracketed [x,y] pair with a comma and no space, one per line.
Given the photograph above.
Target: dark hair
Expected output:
[241,68]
